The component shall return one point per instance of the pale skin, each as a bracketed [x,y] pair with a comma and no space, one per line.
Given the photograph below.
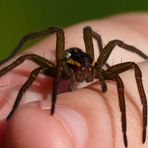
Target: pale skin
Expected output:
[85,118]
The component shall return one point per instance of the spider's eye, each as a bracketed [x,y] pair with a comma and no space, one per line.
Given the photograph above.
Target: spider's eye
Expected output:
[67,55]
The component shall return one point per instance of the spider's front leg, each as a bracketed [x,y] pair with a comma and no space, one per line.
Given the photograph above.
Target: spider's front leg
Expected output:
[88,35]
[60,57]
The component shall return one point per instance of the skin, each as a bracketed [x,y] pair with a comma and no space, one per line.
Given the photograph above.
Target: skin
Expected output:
[85,117]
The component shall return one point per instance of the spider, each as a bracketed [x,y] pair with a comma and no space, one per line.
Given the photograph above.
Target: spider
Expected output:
[78,66]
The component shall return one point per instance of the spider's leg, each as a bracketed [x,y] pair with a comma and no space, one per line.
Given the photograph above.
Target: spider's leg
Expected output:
[60,46]
[99,75]
[33,57]
[87,35]
[105,53]
[120,88]
[98,38]
[31,36]
[138,75]
[67,75]
[54,92]
[26,85]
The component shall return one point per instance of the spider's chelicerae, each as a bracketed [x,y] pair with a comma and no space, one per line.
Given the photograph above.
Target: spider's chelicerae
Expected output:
[76,65]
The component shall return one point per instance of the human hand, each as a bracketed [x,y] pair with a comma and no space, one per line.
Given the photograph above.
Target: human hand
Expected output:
[86,117]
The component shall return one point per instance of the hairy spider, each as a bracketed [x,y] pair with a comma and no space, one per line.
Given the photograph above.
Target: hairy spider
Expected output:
[76,65]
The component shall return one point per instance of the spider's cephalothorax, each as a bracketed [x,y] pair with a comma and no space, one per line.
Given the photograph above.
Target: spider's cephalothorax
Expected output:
[75,65]
[80,63]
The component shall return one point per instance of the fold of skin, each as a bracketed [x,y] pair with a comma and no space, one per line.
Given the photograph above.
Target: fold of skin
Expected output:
[97,114]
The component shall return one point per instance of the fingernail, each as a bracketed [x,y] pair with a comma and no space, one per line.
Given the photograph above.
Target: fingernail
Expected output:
[75,125]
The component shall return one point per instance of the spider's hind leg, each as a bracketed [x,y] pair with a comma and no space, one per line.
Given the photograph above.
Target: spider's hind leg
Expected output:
[120,88]
[108,75]
[30,36]
[105,53]
[119,68]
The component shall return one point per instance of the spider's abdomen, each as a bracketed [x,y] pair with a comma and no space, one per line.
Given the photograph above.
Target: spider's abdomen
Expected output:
[81,63]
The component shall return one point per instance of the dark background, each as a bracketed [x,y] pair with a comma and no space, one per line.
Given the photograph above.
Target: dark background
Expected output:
[19,17]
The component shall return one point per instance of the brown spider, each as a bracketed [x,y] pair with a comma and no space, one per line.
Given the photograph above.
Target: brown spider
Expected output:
[76,65]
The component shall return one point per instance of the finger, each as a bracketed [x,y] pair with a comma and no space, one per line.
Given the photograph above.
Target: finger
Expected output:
[84,118]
